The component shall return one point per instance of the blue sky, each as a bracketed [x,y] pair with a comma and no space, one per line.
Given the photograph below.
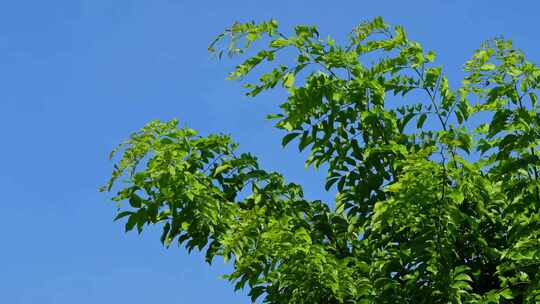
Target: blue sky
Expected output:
[77,76]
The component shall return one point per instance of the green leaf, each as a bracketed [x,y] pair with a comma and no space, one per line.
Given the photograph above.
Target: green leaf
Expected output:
[457,196]
[220,169]
[274,116]
[421,120]
[305,140]
[132,221]
[488,67]
[507,294]
[430,56]
[463,277]
[330,182]
[280,42]
[288,80]
[287,138]
[534,98]
[122,215]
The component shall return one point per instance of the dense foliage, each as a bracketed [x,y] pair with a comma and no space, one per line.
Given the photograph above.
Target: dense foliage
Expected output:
[437,188]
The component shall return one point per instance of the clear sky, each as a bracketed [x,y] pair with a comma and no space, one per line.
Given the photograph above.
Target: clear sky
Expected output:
[77,76]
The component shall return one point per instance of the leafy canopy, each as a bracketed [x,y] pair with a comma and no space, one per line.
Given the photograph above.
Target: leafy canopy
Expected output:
[442,214]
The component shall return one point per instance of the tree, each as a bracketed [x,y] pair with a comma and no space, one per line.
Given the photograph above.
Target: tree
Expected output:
[422,214]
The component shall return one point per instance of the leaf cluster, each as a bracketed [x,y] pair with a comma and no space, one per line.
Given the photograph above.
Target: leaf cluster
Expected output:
[431,206]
